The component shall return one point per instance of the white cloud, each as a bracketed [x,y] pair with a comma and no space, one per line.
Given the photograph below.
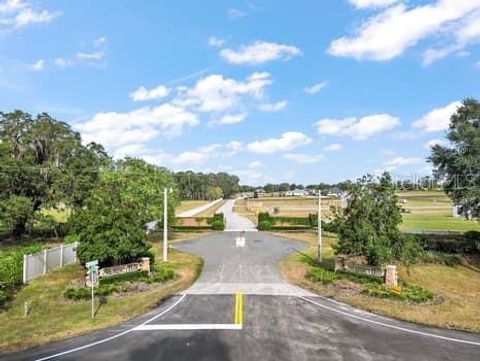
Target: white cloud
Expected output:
[333,147]
[228,119]
[143,93]
[15,14]
[315,88]
[200,156]
[395,163]
[259,52]
[255,164]
[235,14]
[303,158]
[360,129]
[95,56]
[365,4]
[62,62]
[39,65]
[114,129]
[384,36]
[437,119]
[215,42]
[214,93]
[288,141]
[431,143]
[273,107]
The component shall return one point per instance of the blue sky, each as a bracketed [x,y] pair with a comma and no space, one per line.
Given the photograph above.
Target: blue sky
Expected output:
[304,91]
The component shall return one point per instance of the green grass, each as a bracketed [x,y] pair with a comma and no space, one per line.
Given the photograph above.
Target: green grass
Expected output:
[431,211]
[53,317]
[457,289]
[437,221]
[60,215]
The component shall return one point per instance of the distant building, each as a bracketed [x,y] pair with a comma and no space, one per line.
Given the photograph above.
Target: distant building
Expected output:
[334,192]
[297,193]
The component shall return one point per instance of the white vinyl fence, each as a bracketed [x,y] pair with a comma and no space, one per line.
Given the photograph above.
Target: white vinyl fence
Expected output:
[40,263]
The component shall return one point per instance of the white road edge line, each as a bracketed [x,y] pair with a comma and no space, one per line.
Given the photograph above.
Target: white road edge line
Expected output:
[99,342]
[391,326]
[205,326]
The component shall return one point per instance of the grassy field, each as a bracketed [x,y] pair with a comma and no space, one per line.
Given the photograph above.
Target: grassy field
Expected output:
[284,206]
[431,211]
[187,205]
[52,317]
[210,212]
[457,290]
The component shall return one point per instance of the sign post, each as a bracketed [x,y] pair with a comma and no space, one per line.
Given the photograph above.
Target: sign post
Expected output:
[92,272]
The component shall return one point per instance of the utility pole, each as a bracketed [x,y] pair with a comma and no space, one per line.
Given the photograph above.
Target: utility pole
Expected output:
[319,228]
[165,225]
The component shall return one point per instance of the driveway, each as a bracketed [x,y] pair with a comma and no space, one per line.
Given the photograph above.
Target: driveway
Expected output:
[234,221]
[280,322]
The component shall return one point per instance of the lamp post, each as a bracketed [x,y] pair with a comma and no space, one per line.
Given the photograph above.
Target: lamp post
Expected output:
[319,228]
[165,224]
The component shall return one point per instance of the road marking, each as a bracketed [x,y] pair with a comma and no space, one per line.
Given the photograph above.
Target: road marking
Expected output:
[458,340]
[186,326]
[238,310]
[99,342]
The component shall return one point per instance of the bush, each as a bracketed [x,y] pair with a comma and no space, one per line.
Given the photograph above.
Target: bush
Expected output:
[441,258]
[265,216]
[321,275]
[411,293]
[377,254]
[218,225]
[79,294]
[361,278]
[163,274]
[11,265]
[265,226]
[3,298]
[124,277]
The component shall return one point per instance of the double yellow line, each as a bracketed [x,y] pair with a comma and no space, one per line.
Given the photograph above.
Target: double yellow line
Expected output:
[238,312]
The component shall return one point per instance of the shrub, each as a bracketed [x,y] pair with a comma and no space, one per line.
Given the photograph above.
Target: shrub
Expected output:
[265,226]
[218,225]
[11,265]
[377,254]
[321,275]
[411,293]
[265,216]
[3,298]
[361,278]
[79,294]
[441,258]
[124,277]
[163,274]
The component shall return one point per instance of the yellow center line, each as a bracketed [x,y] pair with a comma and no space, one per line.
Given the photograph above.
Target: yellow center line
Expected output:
[238,310]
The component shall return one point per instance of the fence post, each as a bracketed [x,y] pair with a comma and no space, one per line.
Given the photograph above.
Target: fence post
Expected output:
[25,265]
[61,255]
[44,261]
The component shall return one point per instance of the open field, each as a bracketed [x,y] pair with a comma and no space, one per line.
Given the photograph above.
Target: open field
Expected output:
[284,206]
[457,290]
[210,212]
[432,210]
[187,205]
[52,317]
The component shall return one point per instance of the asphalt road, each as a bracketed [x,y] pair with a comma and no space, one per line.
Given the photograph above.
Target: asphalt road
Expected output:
[234,221]
[280,322]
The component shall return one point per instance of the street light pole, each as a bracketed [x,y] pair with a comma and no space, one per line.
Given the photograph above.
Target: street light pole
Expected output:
[319,228]
[165,225]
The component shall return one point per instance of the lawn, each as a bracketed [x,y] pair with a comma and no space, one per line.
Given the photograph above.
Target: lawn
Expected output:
[52,317]
[284,207]
[431,211]
[457,290]
[210,212]
[187,205]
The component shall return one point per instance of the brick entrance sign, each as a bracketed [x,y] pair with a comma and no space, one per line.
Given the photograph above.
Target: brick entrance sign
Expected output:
[391,277]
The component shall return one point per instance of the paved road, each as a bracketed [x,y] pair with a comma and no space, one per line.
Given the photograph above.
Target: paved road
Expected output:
[234,221]
[278,323]
[194,211]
